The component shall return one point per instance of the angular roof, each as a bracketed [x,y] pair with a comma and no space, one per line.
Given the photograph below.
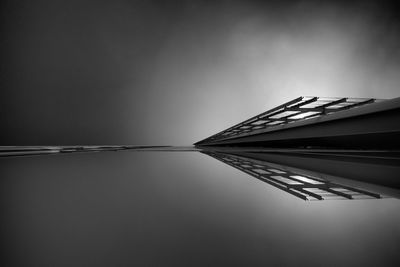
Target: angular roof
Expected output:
[299,109]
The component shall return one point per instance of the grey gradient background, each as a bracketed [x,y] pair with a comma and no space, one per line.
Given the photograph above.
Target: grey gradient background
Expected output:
[175,72]
[178,209]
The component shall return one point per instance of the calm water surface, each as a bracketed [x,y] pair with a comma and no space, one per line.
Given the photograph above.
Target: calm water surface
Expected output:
[179,208]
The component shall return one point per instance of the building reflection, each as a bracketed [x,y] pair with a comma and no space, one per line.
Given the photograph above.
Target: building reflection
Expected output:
[303,184]
[309,174]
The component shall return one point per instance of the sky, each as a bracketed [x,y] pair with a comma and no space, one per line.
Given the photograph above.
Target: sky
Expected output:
[175,72]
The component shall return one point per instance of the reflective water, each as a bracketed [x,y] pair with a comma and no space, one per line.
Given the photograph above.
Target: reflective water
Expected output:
[180,208]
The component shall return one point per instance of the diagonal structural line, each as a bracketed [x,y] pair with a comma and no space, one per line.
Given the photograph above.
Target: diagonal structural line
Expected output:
[299,108]
[300,185]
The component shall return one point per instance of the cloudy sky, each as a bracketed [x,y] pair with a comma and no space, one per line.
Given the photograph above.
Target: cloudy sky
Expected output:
[175,72]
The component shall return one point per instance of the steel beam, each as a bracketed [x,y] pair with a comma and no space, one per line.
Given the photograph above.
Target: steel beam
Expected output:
[375,126]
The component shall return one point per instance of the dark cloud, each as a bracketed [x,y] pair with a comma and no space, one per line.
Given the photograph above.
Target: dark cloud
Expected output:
[148,72]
